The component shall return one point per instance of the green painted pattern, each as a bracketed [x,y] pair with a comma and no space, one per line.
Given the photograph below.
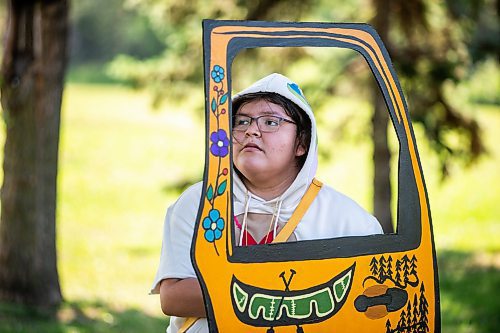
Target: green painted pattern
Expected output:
[297,307]
[240,296]
[341,286]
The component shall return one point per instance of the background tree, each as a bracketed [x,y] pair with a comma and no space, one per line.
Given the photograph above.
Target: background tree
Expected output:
[429,56]
[379,124]
[33,70]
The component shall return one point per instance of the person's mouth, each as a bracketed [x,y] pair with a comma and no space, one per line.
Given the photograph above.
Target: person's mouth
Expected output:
[251,147]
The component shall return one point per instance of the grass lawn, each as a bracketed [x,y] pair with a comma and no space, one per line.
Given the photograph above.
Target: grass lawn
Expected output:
[118,161]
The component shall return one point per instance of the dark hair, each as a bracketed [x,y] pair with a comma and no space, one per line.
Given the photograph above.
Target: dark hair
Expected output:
[291,109]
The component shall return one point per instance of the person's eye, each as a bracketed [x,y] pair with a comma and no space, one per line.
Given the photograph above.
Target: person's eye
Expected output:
[271,121]
[241,122]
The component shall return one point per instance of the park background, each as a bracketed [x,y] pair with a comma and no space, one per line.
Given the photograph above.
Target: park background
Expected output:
[132,138]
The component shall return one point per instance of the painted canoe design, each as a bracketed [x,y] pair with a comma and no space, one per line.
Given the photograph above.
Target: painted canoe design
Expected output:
[269,308]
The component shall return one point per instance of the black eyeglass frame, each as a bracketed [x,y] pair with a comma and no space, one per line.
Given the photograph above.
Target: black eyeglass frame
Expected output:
[280,120]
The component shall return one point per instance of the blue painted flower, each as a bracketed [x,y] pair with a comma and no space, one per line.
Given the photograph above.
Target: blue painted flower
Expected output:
[217,73]
[213,225]
[220,143]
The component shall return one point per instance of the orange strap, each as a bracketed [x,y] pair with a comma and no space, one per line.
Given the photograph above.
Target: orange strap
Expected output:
[299,212]
[284,234]
[187,324]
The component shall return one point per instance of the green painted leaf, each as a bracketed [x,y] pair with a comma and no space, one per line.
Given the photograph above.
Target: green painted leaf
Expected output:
[223,99]
[214,105]
[222,187]
[210,192]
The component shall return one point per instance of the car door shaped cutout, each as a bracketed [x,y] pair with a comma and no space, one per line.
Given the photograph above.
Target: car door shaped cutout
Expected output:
[379,283]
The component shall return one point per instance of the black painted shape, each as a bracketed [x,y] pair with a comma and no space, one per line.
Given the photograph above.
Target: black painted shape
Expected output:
[287,288]
[393,299]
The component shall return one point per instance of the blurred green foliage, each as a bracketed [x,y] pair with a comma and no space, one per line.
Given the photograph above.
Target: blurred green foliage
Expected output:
[482,86]
[157,43]
[434,45]
[101,31]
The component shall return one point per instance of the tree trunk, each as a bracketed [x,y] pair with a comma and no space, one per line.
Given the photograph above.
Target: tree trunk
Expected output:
[381,163]
[33,67]
[380,121]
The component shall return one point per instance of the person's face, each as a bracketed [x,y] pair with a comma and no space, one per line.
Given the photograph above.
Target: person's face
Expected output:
[259,155]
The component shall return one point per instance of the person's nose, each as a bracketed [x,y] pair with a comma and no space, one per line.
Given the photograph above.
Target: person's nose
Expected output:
[253,129]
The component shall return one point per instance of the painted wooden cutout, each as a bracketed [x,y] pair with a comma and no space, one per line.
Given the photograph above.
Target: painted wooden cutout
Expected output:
[380,283]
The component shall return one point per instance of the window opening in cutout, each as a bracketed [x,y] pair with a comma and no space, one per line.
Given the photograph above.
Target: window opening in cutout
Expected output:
[342,91]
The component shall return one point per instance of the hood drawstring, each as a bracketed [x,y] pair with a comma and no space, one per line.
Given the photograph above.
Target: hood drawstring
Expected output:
[274,219]
[248,196]
[277,218]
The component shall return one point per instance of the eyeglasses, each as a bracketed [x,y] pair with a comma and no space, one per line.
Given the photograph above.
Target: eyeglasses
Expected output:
[266,124]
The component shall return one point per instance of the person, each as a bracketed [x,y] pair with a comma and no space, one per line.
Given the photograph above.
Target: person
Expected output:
[275,161]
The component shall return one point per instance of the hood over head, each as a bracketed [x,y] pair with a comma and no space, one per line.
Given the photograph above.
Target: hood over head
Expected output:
[244,201]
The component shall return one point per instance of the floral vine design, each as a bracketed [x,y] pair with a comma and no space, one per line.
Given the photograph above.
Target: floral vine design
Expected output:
[220,143]
[217,74]
[214,223]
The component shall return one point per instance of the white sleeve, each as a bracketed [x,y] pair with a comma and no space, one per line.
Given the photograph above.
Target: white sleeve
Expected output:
[375,226]
[333,214]
[178,228]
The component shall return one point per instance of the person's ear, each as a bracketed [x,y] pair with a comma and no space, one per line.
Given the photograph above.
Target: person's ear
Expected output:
[300,149]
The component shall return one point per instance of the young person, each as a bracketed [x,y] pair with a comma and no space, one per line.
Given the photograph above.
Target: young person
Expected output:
[275,160]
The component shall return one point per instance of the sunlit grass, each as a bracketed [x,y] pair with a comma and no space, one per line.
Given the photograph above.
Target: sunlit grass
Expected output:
[117,156]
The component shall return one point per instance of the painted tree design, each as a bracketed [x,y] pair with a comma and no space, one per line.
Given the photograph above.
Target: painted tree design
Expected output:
[374,266]
[401,271]
[397,277]
[406,268]
[414,319]
[382,268]
[388,326]
[413,266]
[408,316]
[423,311]
[402,322]
[415,311]
[389,268]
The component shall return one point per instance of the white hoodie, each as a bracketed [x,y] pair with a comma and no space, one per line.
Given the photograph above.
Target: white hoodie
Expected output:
[330,215]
